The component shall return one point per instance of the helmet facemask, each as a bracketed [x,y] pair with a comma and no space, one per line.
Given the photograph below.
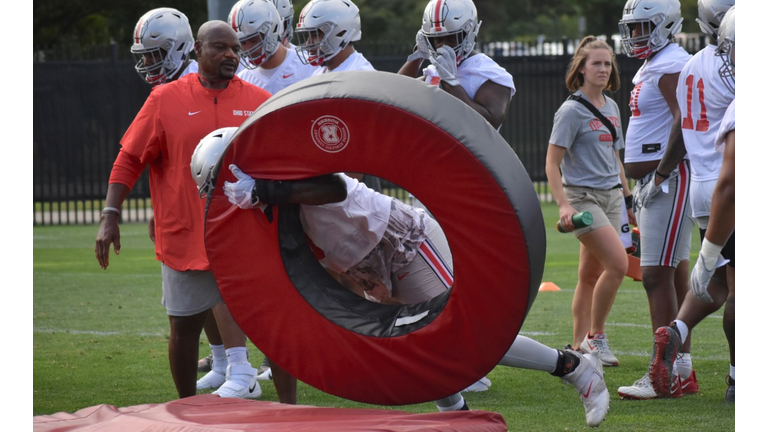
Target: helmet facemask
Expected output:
[463,40]
[726,71]
[650,39]
[162,68]
[262,50]
[315,46]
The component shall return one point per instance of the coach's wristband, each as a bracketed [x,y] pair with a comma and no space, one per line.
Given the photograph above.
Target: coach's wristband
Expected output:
[111,210]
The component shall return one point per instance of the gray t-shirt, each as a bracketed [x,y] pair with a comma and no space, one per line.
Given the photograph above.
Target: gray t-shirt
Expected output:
[590,159]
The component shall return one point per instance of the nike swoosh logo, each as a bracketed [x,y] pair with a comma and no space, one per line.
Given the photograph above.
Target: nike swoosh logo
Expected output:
[589,390]
[401,276]
[288,76]
[252,388]
[193,113]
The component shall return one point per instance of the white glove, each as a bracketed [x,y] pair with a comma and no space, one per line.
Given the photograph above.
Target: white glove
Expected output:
[421,50]
[700,279]
[239,193]
[445,63]
[709,260]
[644,194]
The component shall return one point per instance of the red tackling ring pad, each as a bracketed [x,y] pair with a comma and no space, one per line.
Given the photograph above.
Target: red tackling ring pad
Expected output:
[443,152]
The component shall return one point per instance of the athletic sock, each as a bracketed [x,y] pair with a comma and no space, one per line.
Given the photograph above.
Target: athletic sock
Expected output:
[732,372]
[684,365]
[452,403]
[566,363]
[237,355]
[682,328]
[219,359]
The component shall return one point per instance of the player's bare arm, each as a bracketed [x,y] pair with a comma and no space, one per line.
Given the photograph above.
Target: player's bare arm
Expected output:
[109,231]
[675,151]
[491,100]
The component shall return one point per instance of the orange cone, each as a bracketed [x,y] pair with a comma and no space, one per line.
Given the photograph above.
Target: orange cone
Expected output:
[548,286]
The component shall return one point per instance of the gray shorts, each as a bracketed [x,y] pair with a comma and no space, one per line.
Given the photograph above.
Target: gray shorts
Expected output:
[666,222]
[430,273]
[190,292]
[605,206]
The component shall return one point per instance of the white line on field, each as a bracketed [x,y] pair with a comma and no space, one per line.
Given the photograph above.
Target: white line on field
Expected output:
[96,333]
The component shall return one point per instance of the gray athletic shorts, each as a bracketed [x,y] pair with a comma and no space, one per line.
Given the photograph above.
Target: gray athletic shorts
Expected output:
[666,223]
[430,273]
[189,292]
[605,206]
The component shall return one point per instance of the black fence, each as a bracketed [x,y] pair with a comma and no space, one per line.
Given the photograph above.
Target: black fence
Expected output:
[82,108]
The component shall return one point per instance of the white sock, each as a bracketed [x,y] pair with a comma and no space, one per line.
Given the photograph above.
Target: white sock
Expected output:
[684,365]
[683,330]
[237,355]
[732,373]
[219,359]
[449,403]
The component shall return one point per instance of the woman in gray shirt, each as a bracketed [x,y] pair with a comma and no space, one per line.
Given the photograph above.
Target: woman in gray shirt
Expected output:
[585,173]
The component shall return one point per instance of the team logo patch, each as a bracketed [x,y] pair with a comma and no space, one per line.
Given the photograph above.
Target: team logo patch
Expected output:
[330,134]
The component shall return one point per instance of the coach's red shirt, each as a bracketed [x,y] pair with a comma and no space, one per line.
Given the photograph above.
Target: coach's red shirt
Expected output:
[164,134]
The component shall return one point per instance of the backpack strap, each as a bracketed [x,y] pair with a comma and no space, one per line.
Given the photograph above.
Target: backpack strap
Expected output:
[597,114]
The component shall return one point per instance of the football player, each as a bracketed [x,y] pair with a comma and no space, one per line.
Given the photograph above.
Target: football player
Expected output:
[647,30]
[268,63]
[332,204]
[703,99]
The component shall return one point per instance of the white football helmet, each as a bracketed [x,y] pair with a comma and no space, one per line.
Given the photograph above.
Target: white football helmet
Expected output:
[285,9]
[206,156]
[711,12]
[325,28]
[659,22]
[456,18]
[164,38]
[258,20]
[726,44]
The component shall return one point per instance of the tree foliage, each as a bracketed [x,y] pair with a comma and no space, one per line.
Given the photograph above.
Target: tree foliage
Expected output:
[99,22]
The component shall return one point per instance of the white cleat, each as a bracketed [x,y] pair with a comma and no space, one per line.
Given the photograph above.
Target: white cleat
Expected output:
[211,380]
[234,387]
[588,380]
[480,386]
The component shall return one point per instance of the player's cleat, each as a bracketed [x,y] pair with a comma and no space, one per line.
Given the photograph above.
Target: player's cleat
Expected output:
[211,380]
[730,392]
[666,343]
[265,366]
[265,371]
[689,385]
[599,343]
[480,386]
[234,387]
[204,364]
[588,380]
[642,389]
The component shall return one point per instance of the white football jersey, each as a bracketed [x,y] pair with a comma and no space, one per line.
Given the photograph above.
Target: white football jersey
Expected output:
[473,73]
[651,121]
[703,99]
[347,231]
[355,62]
[290,71]
[728,124]
[192,67]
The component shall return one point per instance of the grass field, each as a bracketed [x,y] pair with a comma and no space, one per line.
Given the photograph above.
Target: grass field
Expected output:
[100,337]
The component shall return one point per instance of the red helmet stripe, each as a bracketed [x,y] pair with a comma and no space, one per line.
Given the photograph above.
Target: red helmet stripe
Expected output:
[136,35]
[233,18]
[438,22]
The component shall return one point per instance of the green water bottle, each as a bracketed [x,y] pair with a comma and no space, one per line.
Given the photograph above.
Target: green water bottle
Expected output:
[580,220]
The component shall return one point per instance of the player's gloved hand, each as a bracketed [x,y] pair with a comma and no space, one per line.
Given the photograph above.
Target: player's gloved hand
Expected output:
[644,194]
[421,50]
[445,63]
[709,260]
[240,193]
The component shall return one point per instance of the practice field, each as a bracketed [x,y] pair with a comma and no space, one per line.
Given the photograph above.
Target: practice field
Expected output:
[100,337]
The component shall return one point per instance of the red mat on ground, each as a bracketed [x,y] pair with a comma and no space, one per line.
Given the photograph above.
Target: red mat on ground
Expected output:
[212,413]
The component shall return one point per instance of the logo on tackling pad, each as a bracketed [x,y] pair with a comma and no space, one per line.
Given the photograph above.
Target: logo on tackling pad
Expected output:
[330,134]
